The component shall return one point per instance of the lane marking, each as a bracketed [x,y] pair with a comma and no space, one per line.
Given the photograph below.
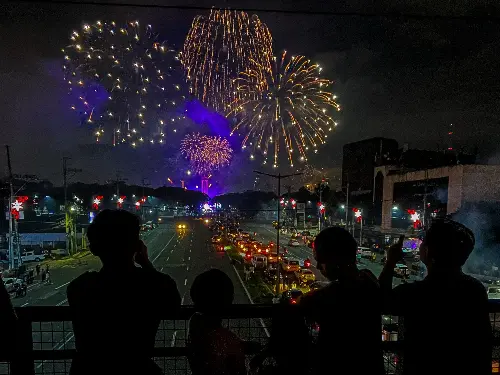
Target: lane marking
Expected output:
[62,302]
[185,282]
[187,268]
[168,259]
[189,258]
[25,304]
[59,345]
[60,286]
[171,251]
[163,248]
[172,343]
[249,298]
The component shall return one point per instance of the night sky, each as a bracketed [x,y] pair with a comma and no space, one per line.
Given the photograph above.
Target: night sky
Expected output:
[399,77]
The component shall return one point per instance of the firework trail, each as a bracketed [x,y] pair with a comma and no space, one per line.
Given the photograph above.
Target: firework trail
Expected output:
[206,154]
[124,82]
[219,47]
[283,104]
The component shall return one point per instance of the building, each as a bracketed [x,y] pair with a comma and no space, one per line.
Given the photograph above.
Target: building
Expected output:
[359,159]
[451,186]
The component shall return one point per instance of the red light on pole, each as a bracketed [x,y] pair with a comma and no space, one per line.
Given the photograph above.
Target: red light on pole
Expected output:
[357,214]
[97,201]
[120,201]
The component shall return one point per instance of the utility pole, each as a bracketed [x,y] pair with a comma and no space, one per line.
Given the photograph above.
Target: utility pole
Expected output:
[279,176]
[347,206]
[144,184]
[67,212]
[11,196]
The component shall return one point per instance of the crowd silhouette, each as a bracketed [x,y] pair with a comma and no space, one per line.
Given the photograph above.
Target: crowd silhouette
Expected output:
[444,318]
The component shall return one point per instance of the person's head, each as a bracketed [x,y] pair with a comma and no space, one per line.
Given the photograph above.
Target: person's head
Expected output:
[212,291]
[446,245]
[114,236]
[335,251]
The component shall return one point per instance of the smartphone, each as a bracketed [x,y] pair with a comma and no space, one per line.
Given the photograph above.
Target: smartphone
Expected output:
[401,239]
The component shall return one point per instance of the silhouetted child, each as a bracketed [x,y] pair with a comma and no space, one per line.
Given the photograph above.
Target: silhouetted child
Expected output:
[446,322]
[348,310]
[213,349]
[116,311]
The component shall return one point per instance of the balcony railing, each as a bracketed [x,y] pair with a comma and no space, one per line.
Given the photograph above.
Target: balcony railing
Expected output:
[46,342]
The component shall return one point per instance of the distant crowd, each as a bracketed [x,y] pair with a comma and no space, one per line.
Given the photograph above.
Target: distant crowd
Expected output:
[444,319]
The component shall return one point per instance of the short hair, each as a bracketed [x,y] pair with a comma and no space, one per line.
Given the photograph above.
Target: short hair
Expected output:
[113,233]
[335,245]
[449,242]
[212,290]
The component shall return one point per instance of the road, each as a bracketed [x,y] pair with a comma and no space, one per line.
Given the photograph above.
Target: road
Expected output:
[180,254]
[266,233]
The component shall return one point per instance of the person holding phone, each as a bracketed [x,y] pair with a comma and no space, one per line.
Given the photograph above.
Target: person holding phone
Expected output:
[118,309]
[446,326]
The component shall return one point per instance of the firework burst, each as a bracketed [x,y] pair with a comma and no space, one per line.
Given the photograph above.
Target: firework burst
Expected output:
[283,104]
[219,47]
[206,154]
[122,81]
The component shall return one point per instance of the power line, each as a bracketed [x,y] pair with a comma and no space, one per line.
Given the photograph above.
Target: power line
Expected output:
[416,16]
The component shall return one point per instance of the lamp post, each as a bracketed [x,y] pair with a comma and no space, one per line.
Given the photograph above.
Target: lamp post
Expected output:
[279,176]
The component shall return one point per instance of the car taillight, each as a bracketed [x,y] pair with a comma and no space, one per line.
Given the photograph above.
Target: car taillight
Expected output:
[293,301]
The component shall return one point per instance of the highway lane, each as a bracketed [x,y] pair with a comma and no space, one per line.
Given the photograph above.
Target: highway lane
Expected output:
[180,254]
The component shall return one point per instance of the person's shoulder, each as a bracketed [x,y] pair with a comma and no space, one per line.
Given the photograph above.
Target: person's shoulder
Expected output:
[84,280]
[160,278]
[81,285]
[473,284]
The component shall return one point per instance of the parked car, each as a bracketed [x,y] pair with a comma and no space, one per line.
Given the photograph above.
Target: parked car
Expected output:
[293,242]
[494,293]
[401,271]
[30,256]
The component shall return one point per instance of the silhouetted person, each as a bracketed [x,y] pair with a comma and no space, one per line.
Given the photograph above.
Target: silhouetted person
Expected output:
[288,330]
[446,322]
[214,350]
[8,318]
[347,310]
[37,268]
[116,311]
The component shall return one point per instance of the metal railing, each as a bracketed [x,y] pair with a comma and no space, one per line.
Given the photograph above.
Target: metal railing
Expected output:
[46,343]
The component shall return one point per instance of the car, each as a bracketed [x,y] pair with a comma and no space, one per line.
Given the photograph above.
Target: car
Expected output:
[365,252]
[292,296]
[181,226]
[293,242]
[401,271]
[494,293]
[318,285]
[290,265]
[259,261]
[306,233]
[216,239]
[306,276]
[218,248]
[30,256]
[272,258]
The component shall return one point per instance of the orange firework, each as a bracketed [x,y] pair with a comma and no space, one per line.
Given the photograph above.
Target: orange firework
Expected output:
[219,47]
